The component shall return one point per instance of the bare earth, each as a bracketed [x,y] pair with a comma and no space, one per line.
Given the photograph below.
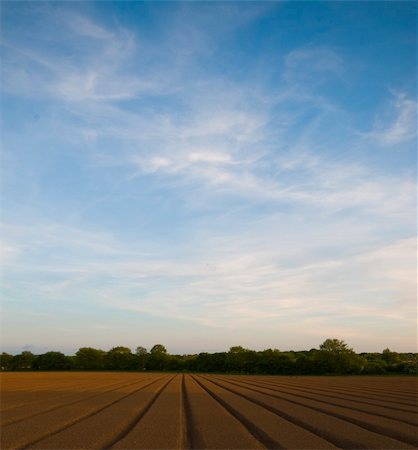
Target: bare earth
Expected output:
[103,410]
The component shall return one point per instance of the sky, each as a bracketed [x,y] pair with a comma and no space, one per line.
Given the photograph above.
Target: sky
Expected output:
[208,174]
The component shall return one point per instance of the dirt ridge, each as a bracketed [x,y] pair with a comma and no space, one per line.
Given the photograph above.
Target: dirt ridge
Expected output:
[367,425]
[161,411]
[257,432]
[85,417]
[320,400]
[136,419]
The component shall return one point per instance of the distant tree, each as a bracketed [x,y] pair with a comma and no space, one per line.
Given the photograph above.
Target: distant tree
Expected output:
[303,365]
[142,357]
[267,360]
[409,367]
[336,357]
[141,351]
[237,349]
[6,361]
[284,363]
[335,346]
[158,349]
[206,362]
[158,358]
[390,357]
[88,358]
[120,358]
[24,361]
[375,367]
[175,363]
[240,359]
[53,361]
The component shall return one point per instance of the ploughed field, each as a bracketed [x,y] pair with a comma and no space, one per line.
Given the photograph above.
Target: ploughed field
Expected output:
[104,410]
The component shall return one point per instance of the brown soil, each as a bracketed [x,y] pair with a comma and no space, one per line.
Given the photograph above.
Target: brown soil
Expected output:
[103,410]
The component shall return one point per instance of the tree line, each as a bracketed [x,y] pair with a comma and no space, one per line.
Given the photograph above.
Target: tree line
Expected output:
[334,357]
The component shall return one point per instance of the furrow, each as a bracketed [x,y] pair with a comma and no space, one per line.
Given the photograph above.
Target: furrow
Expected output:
[100,429]
[280,432]
[253,429]
[382,396]
[45,384]
[344,381]
[29,432]
[165,415]
[13,401]
[388,427]
[83,398]
[128,429]
[349,405]
[187,419]
[214,427]
[399,396]
[326,425]
[343,397]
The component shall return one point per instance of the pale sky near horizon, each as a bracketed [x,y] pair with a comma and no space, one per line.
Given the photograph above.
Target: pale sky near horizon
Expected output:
[208,174]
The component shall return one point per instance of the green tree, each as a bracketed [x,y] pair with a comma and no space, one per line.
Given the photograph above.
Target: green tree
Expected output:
[390,357]
[141,351]
[267,360]
[120,358]
[335,346]
[335,356]
[240,359]
[6,361]
[53,361]
[158,349]
[237,349]
[88,358]
[142,357]
[303,364]
[24,361]
[158,358]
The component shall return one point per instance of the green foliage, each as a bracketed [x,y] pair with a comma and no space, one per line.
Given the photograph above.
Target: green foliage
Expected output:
[158,358]
[390,357]
[53,361]
[304,365]
[374,368]
[334,357]
[141,357]
[335,346]
[88,358]
[120,358]
[158,349]
[23,361]
[6,361]
[237,349]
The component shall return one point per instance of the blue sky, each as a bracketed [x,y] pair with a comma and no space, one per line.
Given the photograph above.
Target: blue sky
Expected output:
[208,174]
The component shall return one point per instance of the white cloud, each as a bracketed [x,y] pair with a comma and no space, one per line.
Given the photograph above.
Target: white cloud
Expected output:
[222,132]
[294,231]
[228,282]
[404,125]
[89,73]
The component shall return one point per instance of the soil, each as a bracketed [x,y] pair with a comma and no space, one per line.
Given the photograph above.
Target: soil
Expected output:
[104,410]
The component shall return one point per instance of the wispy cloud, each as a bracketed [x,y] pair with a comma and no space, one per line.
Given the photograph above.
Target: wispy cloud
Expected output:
[402,127]
[171,175]
[95,73]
